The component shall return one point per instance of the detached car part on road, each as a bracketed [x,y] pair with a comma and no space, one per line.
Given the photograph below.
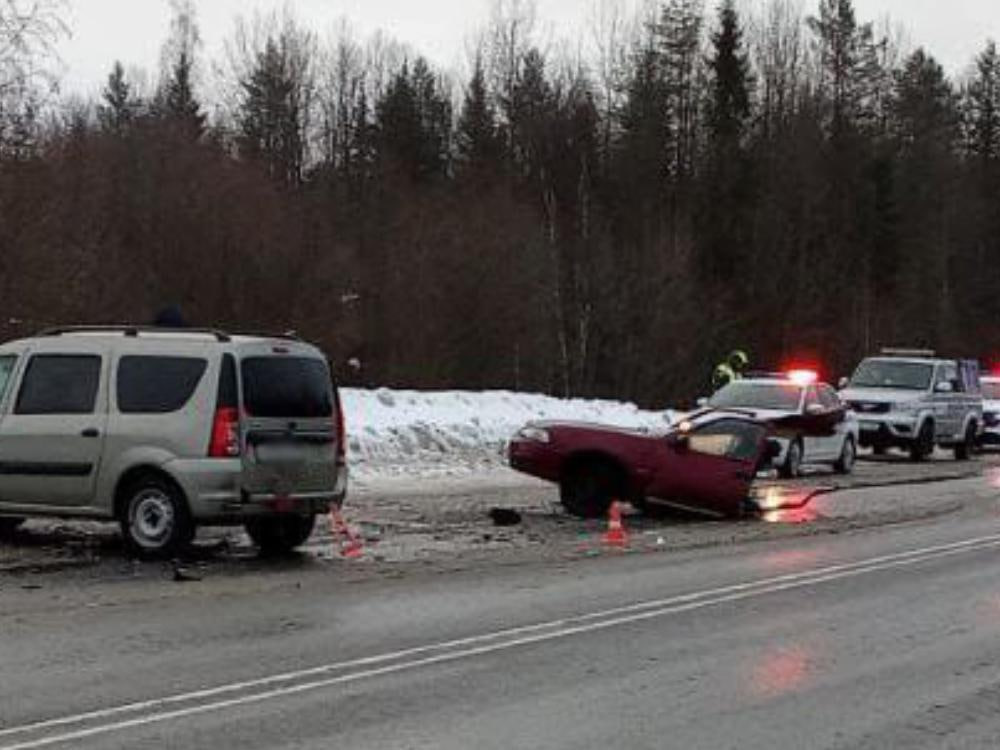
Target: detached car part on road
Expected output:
[705,464]
[165,429]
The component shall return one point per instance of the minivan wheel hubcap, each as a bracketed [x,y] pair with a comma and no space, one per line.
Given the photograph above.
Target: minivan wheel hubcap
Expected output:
[152,518]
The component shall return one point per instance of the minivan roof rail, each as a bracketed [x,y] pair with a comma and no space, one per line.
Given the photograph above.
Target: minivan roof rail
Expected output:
[922,353]
[287,335]
[134,331]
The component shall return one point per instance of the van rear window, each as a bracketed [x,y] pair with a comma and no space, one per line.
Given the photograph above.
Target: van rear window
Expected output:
[286,387]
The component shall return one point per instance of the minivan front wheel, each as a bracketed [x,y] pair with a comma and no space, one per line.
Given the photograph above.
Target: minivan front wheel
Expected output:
[155,520]
[279,535]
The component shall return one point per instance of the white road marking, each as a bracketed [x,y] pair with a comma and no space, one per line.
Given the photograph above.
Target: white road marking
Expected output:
[464,648]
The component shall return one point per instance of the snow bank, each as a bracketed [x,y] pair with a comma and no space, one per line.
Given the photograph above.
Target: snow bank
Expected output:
[453,432]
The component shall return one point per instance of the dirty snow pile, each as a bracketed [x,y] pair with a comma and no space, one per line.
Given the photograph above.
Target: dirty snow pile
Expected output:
[398,433]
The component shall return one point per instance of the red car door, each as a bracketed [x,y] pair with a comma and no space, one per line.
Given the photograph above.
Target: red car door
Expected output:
[711,467]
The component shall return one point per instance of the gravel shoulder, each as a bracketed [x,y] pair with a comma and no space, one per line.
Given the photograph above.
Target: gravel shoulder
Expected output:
[444,522]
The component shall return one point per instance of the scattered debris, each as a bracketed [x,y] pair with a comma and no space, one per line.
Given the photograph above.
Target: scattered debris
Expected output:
[182,575]
[505,516]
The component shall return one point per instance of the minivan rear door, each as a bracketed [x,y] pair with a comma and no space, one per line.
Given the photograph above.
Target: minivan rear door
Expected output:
[289,427]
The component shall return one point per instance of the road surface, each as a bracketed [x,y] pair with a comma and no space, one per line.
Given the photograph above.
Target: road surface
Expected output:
[879,637]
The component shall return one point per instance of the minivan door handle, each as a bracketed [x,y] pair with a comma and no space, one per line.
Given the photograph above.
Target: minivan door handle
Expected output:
[90,432]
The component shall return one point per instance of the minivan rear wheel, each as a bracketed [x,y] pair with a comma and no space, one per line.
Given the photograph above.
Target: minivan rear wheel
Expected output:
[155,520]
[279,535]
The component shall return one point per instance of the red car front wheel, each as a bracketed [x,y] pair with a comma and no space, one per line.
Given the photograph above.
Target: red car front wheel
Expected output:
[588,489]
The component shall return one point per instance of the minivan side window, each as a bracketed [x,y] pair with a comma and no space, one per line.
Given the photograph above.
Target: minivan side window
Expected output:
[157,385]
[59,384]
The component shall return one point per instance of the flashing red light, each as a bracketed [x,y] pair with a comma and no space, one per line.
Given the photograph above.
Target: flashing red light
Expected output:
[803,377]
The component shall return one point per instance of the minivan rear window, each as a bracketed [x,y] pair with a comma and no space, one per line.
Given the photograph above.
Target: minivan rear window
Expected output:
[157,385]
[286,387]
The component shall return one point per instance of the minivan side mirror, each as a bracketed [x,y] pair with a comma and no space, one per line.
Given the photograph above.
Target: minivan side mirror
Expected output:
[843,383]
[944,387]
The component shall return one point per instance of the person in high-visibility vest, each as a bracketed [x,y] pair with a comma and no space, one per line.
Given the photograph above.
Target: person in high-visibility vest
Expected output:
[732,369]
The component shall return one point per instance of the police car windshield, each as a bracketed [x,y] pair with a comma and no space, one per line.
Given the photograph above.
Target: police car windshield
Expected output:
[881,373]
[743,395]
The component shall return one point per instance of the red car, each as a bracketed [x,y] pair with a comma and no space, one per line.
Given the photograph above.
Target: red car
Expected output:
[705,464]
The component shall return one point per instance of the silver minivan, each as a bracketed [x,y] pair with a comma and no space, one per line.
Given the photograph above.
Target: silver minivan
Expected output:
[162,430]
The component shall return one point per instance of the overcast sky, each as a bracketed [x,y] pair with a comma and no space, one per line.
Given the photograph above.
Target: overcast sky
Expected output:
[132,30]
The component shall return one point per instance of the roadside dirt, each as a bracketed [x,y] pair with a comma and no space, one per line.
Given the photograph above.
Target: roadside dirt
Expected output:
[445,522]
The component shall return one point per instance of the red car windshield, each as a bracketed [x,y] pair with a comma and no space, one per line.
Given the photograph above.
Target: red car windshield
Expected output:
[774,396]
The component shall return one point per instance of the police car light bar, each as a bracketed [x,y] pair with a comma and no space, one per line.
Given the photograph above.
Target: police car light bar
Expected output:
[922,353]
[803,377]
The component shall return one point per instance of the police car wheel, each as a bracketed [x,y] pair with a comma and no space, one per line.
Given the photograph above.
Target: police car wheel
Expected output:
[848,456]
[792,468]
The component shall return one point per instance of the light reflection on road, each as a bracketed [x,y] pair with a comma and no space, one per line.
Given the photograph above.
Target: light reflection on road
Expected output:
[781,670]
[794,516]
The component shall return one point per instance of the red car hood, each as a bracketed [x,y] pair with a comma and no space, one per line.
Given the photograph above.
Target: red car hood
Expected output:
[591,427]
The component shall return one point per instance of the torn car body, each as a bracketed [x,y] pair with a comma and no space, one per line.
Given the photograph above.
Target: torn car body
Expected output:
[705,464]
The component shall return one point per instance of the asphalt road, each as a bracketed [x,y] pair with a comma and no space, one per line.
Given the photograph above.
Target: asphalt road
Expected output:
[881,637]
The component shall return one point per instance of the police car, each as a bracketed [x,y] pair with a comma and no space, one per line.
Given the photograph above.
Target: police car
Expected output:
[812,424]
[990,436]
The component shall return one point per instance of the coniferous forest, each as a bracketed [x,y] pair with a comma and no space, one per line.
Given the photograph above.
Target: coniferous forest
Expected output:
[601,216]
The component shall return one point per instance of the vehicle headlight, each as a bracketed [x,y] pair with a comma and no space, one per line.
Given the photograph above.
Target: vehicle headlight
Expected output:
[534,434]
[907,407]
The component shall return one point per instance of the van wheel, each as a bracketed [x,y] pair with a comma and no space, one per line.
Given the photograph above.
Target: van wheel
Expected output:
[923,446]
[155,520]
[588,489]
[279,535]
[963,451]
[8,525]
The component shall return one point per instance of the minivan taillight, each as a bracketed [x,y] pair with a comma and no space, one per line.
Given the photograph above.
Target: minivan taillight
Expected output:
[225,434]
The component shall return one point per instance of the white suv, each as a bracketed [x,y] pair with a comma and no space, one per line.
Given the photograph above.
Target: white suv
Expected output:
[915,401]
[165,429]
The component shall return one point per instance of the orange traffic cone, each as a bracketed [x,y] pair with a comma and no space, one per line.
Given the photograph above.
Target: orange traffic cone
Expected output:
[351,545]
[616,536]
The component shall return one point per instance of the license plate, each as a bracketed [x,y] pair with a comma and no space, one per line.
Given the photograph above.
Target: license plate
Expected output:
[280,453]
[868,426]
